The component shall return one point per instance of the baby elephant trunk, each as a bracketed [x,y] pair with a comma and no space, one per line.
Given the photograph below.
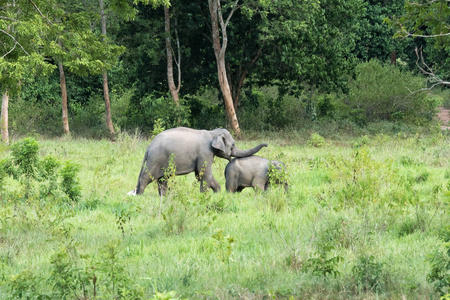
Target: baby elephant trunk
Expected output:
[244,153]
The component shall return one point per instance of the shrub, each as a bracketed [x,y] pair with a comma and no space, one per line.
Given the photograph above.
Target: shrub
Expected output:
[152,108]
[25,158]
[440,264]
[368,274]
[69,182]
[384,92]
[31,171]
[316,140]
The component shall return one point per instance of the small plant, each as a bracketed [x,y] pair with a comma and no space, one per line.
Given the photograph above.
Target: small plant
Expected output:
[3,172]
[224,245]
[25,158]
[362,141]
[440,265]
[123,212]
[158,127]
[278,175]
[69,182]
[116,284]
[316,140]
[23,286]
[321,264]
[368,274]
[180,206]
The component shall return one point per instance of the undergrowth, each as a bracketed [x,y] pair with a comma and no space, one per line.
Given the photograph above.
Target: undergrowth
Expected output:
[362,219]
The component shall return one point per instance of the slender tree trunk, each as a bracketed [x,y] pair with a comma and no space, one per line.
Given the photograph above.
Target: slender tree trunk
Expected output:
[174,91]
[65,114]
[108,118]
[242,75]
[4,118]
[219,51]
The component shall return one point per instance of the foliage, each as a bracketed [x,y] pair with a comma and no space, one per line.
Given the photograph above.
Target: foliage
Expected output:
[26,166]
[153,108]
[321,264]
[427,20]
[316,140]
[224,245]
[23,34]
[384,92]
[278,176]
[69,181]
[368,274]
[440,265]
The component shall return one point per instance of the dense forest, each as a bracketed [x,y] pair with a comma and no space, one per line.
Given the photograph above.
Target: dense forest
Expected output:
[261,65]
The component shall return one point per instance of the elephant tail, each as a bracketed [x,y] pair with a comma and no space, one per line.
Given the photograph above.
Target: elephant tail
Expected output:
[138,186]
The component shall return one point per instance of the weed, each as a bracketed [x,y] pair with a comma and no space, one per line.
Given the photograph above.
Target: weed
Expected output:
[278,175]
[368,274]
[316,140]
[224,245]
[440,265]
[321,264]
[360,142]
[123,213]
[25,157]
[158,127]
[70,183]
[23,285]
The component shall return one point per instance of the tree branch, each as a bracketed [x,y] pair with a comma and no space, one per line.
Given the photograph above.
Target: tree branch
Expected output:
[12,49]
[427,36]
[17,43]
[425,4]
[39,11]
[425,69]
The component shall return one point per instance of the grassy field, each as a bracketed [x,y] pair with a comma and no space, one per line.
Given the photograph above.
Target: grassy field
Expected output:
[364,218]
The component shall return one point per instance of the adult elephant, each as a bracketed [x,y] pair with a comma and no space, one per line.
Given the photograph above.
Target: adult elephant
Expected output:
[193,151]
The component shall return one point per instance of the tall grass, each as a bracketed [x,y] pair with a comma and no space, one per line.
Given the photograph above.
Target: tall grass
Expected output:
[359,221]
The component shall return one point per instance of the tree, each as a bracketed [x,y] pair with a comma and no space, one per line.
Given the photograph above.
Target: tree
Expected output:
[427,19]
[220,48]
[108,119]
[4,118]
[174,89]
[22,29]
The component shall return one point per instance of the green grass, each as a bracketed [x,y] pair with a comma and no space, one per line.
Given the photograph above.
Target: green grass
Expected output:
[381,197]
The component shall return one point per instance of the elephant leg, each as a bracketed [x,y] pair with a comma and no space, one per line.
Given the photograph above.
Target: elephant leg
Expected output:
[239,189]
[209,182]
[231,184]
[207,178]
[260,182]
[162,186]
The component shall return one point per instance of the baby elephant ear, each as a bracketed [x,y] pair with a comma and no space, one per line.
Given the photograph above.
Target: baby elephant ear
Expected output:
[219,142]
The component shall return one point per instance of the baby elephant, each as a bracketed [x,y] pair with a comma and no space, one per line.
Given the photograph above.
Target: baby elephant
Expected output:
[252,171]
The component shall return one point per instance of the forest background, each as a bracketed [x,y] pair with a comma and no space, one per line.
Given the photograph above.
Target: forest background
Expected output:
[343,91]
[256,65]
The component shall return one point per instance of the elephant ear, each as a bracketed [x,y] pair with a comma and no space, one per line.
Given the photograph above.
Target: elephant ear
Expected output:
[219,142]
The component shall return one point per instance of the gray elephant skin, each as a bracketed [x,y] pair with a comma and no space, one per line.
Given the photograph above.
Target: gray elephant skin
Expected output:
[252,171]
[193,150]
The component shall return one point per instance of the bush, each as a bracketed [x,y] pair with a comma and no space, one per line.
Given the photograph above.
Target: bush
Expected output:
[152,108]
[384,92]
[35,173]
[368,274]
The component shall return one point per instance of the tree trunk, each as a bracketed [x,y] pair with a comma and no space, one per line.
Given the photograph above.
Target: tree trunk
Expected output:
[242,75]
[4,118]
[65,114]
[108,118]
[219,51]
[174,91]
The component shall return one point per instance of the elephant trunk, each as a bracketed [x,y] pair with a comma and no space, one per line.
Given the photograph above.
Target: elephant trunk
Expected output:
[244,153]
